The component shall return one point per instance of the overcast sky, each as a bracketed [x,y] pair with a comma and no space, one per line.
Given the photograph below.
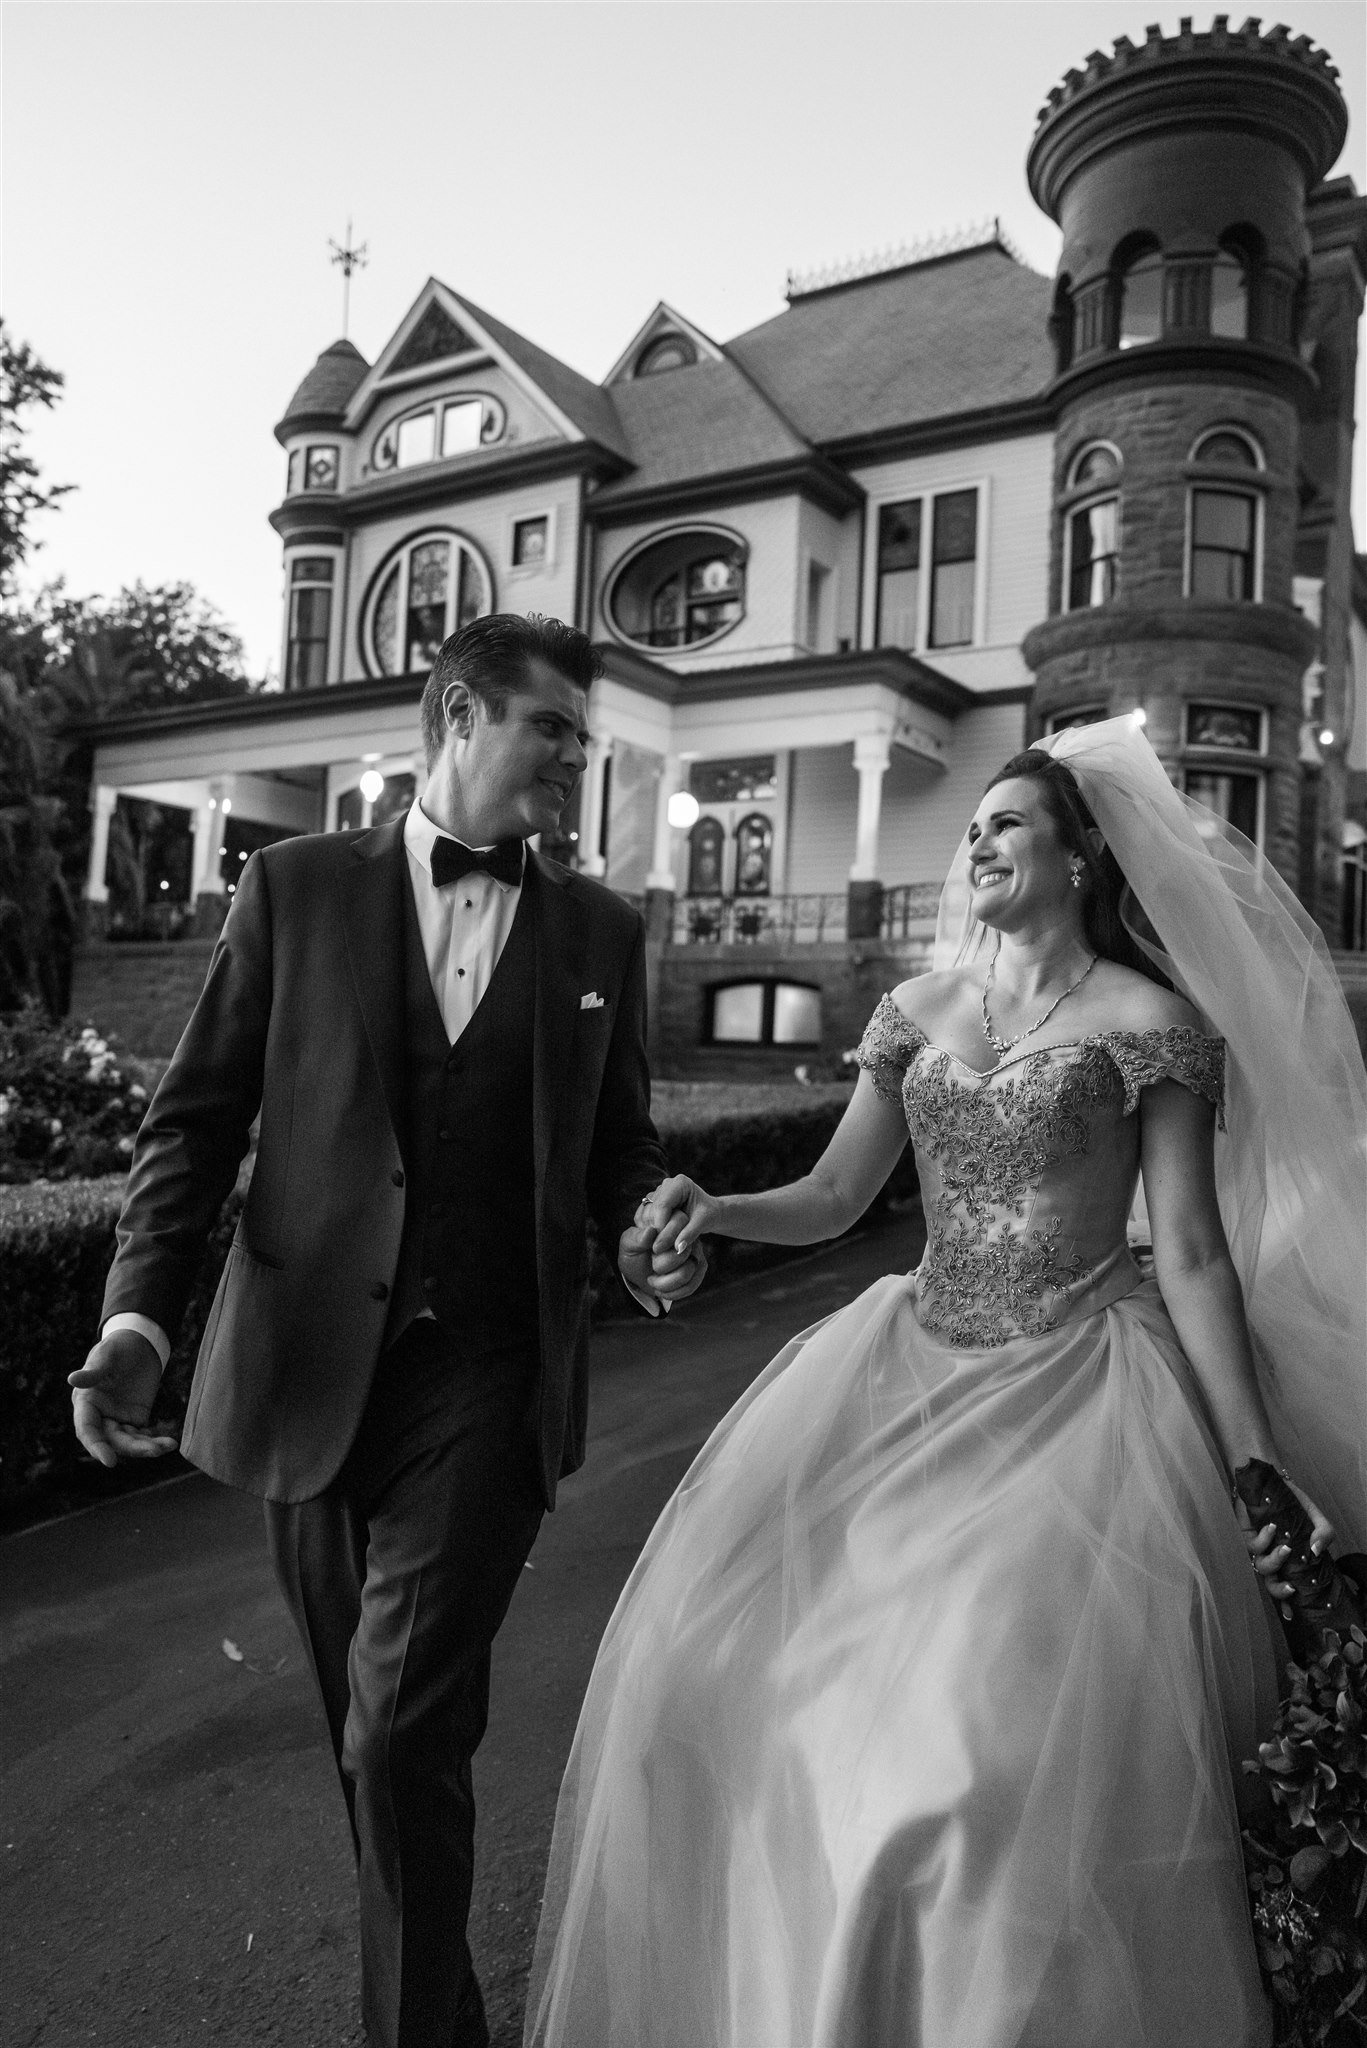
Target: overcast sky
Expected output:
[173,173]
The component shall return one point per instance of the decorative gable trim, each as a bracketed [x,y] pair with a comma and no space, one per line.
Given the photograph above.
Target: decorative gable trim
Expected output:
[435,336]
[664,320]
[438,311]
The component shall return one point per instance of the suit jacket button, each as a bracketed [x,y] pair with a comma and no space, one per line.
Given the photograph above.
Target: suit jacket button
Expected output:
[379,1292]
[430,1284]
[397,1177]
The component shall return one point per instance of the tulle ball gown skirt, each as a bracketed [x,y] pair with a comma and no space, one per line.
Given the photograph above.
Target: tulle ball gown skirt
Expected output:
[918,1723]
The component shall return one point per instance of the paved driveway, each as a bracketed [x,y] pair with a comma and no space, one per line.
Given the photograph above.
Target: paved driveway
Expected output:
[174,1863]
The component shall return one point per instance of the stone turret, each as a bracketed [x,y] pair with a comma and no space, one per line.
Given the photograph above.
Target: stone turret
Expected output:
[1179,171]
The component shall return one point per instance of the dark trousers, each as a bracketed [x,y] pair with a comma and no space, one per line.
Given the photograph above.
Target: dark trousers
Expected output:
[398,1578]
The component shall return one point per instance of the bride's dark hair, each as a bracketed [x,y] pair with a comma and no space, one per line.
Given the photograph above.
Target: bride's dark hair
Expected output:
[1102,924]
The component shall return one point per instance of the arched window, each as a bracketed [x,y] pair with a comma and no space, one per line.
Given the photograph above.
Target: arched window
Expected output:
[680,591]
[666,352]
[1139,292]
[452,426]
[705,846]
[1092,534]
[435,583]
[1233,279]
[754,848]
[1228,448]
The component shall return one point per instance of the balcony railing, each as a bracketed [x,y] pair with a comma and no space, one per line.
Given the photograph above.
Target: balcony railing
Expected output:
[758,920]
[908,912]
[909,908]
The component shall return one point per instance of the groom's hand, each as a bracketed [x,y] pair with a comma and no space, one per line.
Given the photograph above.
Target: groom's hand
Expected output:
[112,1396]
[664,1275]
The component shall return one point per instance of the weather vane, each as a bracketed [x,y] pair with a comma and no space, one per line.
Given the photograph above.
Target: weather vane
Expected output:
[349,258]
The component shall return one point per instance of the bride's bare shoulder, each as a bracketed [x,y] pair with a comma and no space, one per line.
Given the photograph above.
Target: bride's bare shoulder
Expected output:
[1134,1003]
[926,998]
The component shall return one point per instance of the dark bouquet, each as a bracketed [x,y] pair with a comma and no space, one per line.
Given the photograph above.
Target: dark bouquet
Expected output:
[1306,1847]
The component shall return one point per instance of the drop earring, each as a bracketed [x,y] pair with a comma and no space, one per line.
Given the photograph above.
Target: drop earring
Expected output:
[1076,877]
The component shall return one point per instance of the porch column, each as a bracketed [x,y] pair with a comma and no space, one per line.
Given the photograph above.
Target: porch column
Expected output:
[102,802]
[660,883]
[593,790]
[864,915]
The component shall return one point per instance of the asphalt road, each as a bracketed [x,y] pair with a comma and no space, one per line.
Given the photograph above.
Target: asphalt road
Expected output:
[174,1862]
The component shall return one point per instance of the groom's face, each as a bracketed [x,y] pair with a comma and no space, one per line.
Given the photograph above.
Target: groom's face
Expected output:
[517,773]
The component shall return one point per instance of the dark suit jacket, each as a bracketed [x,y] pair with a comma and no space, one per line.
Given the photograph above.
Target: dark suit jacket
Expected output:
[302,1015]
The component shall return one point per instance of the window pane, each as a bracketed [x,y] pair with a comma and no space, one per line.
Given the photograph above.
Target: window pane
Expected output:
[416,438]
[312,608]
[1091,714]
[1232,797]
[666,613]
[1229,298]
[797,1015]
[706,619]
[1094,465]
[1220,520]
[349,810]
[746,780]
[293,471]
[320,473]
[719,577]
[951,605]
[461,426]
[738,1013]
[1220,725]
[1092,544]
[472,598]
[956,527]
[704,858]
[530,538]
[1141,304]
[311,569]
[754,838]
[899,598]
[386,627]
[1229,449]
[428,572]
[899,536]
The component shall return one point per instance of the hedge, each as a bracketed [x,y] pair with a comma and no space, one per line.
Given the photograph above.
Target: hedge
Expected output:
[56,1241]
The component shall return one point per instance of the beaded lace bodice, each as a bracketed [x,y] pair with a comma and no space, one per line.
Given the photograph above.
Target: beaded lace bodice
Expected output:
[1028,1170]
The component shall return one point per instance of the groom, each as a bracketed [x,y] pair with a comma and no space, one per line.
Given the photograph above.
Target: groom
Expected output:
[444,1036]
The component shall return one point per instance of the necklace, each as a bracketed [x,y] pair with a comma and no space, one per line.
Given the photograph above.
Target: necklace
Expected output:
[1002,1046]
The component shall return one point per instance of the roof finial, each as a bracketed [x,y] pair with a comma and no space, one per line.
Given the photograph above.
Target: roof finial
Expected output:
[349,258]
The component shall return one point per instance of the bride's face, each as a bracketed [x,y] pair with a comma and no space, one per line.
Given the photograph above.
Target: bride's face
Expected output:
[1019,870]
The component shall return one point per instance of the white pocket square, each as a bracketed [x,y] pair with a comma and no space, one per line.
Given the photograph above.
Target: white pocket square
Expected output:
[592,1001]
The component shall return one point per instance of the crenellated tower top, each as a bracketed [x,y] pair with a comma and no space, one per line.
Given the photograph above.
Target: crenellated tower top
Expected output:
[1279,85]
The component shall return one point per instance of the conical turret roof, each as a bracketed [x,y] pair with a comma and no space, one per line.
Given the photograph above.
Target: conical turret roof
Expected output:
[322,398]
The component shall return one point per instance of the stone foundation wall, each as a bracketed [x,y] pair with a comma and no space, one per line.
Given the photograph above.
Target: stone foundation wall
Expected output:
[143,993]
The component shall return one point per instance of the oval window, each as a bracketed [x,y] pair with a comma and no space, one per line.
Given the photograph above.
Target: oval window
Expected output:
[434,584]
[681,591]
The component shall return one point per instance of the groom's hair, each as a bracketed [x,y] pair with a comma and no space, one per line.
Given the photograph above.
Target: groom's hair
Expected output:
[491,657]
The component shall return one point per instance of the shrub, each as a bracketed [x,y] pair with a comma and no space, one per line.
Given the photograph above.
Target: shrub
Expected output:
[70,1106]
[56,1242]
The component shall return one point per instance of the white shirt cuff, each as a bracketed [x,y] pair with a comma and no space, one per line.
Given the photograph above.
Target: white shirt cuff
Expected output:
[128,1319]
[651,1303]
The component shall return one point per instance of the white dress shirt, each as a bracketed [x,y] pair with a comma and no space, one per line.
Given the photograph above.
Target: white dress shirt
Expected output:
[464,927]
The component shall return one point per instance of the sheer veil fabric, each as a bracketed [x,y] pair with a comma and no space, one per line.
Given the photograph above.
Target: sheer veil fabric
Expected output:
[1291,1165]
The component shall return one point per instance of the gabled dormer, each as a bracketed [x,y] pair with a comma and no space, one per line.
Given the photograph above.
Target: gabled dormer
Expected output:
[665,342]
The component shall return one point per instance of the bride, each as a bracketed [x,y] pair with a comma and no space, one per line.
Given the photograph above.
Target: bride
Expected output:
[918,1724]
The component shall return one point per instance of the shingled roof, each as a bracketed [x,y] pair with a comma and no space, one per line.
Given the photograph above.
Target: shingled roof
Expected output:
[327,389]
[959,334]
[706,420]
[585,403]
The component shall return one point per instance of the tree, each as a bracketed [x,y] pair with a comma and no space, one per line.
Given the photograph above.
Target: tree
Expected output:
[25,381]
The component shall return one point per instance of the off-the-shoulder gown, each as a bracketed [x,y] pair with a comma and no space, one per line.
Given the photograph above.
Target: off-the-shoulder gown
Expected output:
[918,1723]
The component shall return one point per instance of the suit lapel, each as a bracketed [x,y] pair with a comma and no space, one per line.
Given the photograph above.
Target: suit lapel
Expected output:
[371,888]
[560,938]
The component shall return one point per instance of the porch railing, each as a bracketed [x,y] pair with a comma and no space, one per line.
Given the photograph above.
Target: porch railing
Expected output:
[758,920]
[908,907]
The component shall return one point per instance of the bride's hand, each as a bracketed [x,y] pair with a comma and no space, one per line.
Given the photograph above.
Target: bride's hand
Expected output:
[674,1198]
[1267,1560]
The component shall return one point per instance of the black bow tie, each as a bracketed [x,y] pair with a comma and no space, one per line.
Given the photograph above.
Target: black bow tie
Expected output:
[451,860]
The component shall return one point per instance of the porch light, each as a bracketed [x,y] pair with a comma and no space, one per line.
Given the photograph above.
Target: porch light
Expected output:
[372,785]
[1139,716]
[227,805]
[683,810]
[1326,738]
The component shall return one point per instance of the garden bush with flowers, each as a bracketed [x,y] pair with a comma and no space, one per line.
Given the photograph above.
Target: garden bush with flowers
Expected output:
[70,1106]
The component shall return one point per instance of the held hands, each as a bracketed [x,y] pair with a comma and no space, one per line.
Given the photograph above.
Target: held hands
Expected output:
[112,1396]
[650,1263]
[680,1212]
